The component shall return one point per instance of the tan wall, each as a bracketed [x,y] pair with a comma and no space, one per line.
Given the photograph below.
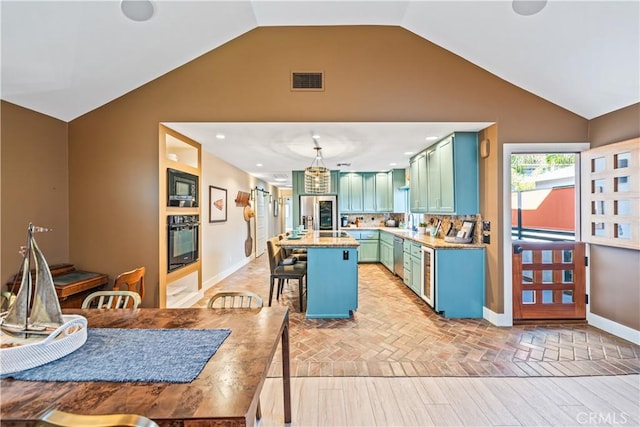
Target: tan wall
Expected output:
[34,185]
[490,174]
[616,126]
[614,272]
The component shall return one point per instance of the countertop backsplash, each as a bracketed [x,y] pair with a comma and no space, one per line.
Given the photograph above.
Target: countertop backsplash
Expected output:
[379,220]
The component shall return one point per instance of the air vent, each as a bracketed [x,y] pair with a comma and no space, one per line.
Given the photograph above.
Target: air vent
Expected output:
[307,80]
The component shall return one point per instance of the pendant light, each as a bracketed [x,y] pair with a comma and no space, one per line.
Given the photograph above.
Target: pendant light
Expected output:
[317,177]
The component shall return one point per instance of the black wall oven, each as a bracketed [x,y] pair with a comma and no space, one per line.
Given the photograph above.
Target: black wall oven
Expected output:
[182,248]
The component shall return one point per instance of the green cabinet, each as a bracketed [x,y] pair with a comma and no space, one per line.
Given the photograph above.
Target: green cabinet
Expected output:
[412,266]
[383,196]
[386,250]
[444,177]
[418,191]
[440,170]
[368,251]
[351,192]
[367,192]
[399,191]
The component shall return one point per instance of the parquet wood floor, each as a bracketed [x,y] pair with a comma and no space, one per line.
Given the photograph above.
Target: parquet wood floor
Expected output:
[395,334]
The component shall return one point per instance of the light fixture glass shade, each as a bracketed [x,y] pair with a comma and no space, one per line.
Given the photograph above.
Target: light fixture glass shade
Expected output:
[317,180]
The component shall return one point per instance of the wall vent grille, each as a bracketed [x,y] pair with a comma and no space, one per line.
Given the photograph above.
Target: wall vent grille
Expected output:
[305,80]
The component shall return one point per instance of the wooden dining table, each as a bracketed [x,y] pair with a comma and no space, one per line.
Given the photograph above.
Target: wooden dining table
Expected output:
[226,392]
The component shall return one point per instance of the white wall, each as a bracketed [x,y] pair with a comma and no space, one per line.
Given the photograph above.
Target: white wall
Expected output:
[223,242]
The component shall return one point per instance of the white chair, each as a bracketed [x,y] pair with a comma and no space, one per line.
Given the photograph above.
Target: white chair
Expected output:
[58,418]
[112,300]
[237,299]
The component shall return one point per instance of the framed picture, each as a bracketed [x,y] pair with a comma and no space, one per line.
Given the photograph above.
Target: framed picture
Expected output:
[217,204]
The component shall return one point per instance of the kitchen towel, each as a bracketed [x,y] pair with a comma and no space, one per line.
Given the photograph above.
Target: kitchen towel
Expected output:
[134,355]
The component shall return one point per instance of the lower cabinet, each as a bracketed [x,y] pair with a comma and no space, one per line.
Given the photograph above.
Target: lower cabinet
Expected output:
[368,251]
[459,281]
[386,250]
[406,250]
[416,274]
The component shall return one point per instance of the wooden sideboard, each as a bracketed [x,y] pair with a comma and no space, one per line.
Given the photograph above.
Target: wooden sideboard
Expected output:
[72,286]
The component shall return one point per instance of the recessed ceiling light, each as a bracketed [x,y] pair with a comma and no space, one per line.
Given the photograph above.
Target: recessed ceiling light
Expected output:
[408,153]
[528,7]
[431,138]
[220,136]
[259,165]
[281,179]
[315,136]
[137,10]
[392,164]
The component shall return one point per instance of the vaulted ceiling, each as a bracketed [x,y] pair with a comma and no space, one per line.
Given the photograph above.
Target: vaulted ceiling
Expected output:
[66,58]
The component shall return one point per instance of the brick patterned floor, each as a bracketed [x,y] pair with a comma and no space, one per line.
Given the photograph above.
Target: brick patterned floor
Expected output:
[394,333]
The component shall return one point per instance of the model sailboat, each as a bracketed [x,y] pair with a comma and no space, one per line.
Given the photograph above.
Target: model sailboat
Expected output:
[36,309]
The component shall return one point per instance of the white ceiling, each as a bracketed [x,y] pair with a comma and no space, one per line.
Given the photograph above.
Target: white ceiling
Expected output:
[66,58]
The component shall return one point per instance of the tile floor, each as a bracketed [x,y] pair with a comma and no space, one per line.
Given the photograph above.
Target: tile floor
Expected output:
[395,334]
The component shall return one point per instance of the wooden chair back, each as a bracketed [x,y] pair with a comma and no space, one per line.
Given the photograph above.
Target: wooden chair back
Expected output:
[131,281]
[235,299]
[110,300]
[275,254]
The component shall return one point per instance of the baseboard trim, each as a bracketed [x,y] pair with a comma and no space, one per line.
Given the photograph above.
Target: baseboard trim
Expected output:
[498,319]
[208,284]
[614,328]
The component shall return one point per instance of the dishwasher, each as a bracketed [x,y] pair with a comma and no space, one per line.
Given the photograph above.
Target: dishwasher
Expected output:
[398,256]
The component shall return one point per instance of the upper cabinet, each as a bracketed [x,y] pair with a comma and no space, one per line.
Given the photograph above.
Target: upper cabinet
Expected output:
[444,177]
[418,191]
[350,197]
[370,192]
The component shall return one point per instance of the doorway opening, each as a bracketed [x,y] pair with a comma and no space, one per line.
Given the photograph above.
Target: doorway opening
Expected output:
[539,284]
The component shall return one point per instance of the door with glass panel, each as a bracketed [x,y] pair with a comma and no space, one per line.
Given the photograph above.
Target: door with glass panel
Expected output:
[548,280]
[548,259]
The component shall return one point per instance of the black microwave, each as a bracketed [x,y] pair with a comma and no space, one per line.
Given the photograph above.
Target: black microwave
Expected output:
[182,189]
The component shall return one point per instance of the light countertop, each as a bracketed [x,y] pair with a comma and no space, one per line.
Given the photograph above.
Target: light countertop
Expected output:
[319,239]
[421,238]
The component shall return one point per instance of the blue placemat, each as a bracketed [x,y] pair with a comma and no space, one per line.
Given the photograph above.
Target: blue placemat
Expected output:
[134,355]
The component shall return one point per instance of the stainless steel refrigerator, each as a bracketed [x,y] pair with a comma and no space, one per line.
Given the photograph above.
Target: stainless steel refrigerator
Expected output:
[319,212]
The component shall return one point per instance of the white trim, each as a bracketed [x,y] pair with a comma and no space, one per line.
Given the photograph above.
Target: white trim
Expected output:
[507,151]
[224,274]
[495,318]
[614,328]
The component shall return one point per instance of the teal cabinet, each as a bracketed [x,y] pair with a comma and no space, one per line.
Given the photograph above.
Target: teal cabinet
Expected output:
[369,192]
[351,193]
[418,191]
[416,268]
[383,195]
[369,249]
[440,170]
[406,251]
[332,282]
[399,191]
[460,291]
[386,250]
[444,177]
[366,192]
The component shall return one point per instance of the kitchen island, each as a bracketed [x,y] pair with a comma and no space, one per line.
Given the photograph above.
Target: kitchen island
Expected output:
[332,272]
